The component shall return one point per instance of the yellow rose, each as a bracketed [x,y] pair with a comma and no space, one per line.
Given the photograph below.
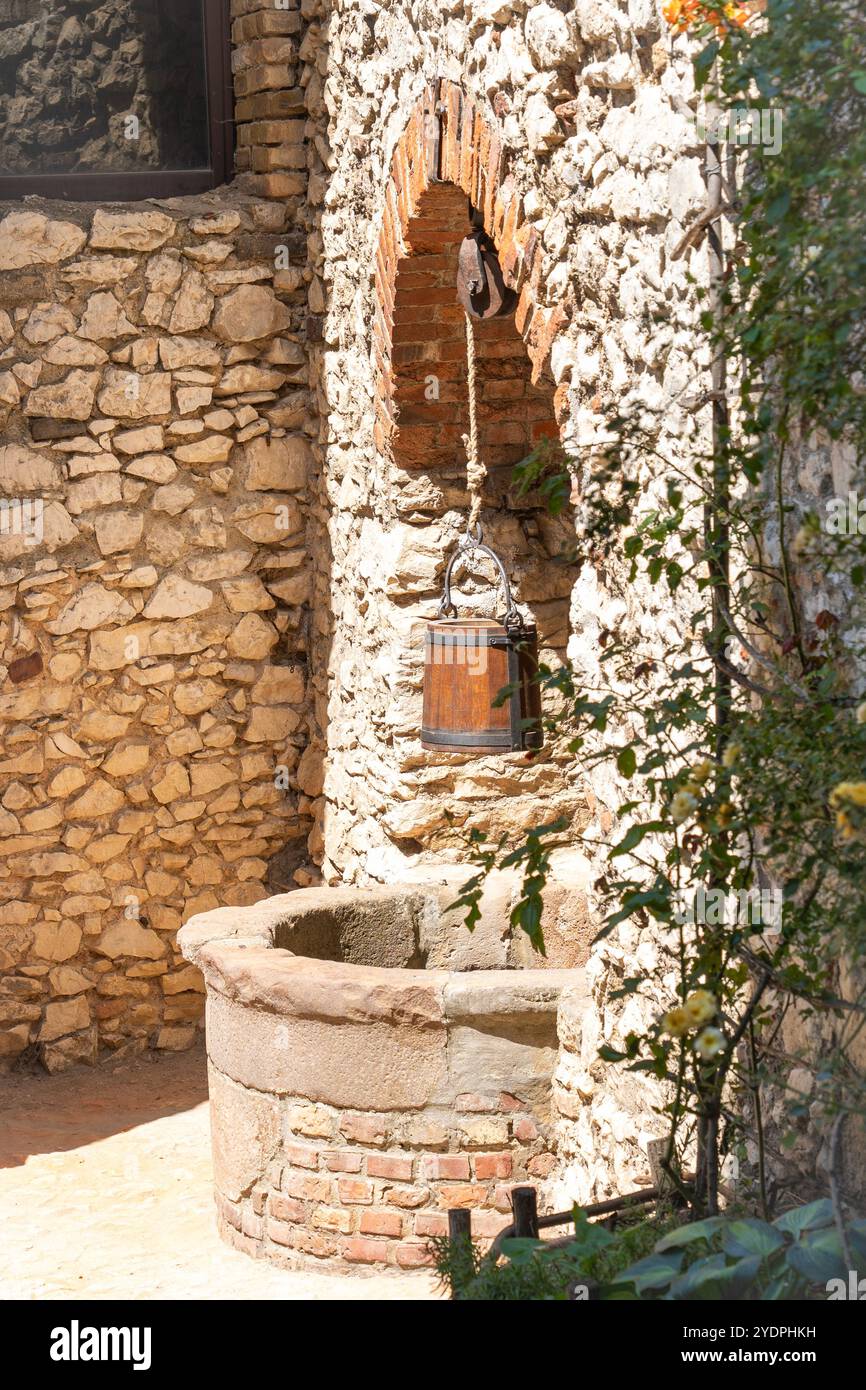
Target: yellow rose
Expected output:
[700,1006]
[730,755]
[860,714]
[676,1022]
[709,1044]
[701,771]
[852,792]
[683,806]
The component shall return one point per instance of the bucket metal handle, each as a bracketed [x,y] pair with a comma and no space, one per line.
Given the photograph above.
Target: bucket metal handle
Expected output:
[447,608]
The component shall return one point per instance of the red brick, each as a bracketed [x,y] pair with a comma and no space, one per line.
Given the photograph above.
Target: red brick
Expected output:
[487,1224]
[339,1161]
[364,1251]
[355,1190]
[286,1208]
[407,1196]
[252,1225]
[411,1256]
[309,1242]
[390,1166]
[431,1223]
[446,1166]
[469,1195]
[481,1104]
[541,1166]
[381,1223]
[302,1155]
[509,1102]
[493,1165]
[332,1219]
[305,1186]
[525,1131]
[364,1129]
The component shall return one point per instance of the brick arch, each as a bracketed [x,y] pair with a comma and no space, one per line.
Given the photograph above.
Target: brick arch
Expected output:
[449,141]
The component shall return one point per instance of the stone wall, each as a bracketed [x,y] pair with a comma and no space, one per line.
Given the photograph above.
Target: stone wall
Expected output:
[567,125]
[154,590]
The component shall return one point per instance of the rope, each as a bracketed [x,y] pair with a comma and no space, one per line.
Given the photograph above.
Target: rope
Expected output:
[476,471]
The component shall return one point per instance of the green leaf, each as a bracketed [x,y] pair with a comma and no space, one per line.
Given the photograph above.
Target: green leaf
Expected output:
[703,63]
[633,836]
[685,1235]
[713,1279]
[800,1219]
[654,1272]
[751,1237]
[626,761]
[818,1256]
[778,208]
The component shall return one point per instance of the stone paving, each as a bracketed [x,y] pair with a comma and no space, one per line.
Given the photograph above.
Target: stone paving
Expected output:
[105,1192]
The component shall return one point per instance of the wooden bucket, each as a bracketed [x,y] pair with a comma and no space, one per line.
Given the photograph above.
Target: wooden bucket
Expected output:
[467,662]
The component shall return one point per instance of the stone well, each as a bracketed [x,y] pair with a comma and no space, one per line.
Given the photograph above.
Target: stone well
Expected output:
[364,1077]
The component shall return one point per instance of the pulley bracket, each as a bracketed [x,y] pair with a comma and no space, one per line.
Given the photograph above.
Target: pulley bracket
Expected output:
[481,286]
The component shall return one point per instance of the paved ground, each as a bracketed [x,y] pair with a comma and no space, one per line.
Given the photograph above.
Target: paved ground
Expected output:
[105,1192]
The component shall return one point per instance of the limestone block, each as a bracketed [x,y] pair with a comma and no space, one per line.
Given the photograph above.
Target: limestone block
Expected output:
[69,399]
[238,380]
[64,1016]
[246,595]
[128,938]
[178,598]
[23,472]
[349,1048]
[57,941]
[147,440]
[278,465]
[118,531]
[72,352]
[214,448]
[193,306]
[279,685]
[132,396]
[104,319]
[130,231]
[94,606]
[28,238]
[99,799]
[47,322]
[252,639]
[248,313]
[194,697]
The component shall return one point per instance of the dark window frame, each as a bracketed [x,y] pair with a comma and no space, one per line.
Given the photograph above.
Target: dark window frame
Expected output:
[128,187]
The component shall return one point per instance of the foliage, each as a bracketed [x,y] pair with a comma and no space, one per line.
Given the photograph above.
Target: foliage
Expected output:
[533,1270]
[730,1258]
[742,754]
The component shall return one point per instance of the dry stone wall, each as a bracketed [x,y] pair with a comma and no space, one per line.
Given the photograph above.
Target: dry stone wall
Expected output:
[569,127]
[154,588]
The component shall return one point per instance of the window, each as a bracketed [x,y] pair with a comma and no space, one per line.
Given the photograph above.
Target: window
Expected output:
[115,100]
